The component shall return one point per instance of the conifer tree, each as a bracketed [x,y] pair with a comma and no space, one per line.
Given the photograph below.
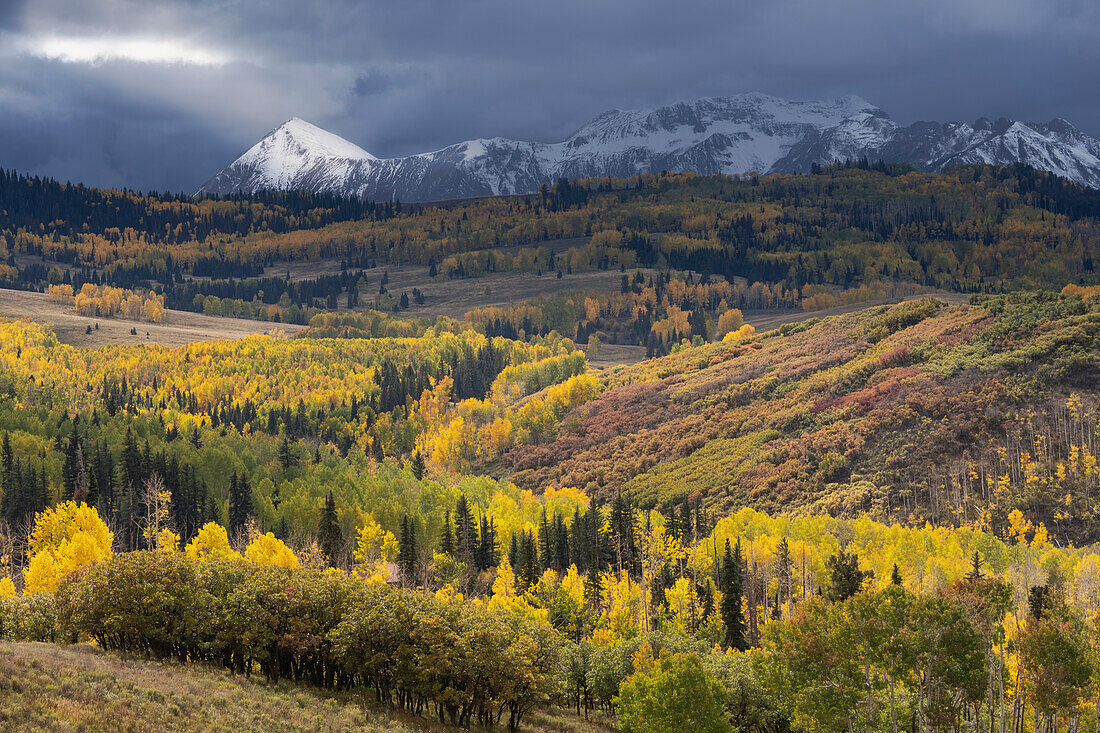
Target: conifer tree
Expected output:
[465,531]
[80,478]
[593,589]
[287,457]
[418,466]
[7,491]
[845,577]
[732,612]
[513,553]
[447,540]
[240,503]
[329,535]
[975,567]
[408,557]
[783,572]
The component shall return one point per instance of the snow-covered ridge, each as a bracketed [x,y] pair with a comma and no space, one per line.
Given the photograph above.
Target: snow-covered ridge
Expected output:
[747,132]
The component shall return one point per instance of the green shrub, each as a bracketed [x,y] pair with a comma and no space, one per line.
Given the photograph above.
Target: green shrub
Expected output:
[28,618]
[678,695]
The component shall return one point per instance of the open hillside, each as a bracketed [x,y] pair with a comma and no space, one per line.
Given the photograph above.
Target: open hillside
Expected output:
[920,408]
[44,687]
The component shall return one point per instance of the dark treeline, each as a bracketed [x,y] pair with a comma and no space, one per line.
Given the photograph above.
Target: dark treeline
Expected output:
[65,209]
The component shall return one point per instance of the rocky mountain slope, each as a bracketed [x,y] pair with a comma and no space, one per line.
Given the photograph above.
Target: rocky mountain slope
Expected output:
[748,132]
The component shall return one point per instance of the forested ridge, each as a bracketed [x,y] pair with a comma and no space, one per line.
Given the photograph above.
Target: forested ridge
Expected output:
[790,238]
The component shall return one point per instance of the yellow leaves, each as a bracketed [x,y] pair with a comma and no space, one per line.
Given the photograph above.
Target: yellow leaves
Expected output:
[538,416]
[504,586]
[1041,539]
[1020,527]
[375,544]
[211,542]
[730,322]
[267,549]
[565,501]
[63,522]
[591,309]
[48,566]
[106,301]
[378,574]
[625,601]
[744,333]
[7,587]
[168,541]
[62,294]
[66,537]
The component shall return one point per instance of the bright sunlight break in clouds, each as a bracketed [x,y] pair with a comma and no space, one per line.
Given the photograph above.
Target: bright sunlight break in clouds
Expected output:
[106,48]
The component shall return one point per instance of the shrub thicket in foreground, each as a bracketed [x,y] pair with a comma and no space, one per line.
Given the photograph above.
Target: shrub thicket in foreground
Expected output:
[462,661]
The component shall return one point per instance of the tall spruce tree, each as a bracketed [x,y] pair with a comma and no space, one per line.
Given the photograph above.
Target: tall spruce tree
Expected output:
[240,503]
[288,459]
[408,557]
[329,536]
[593,589]
[465,531]
[733,616]
[7,491]
[447,538]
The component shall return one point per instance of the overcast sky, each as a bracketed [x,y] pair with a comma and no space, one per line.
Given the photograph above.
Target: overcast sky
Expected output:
[161,95]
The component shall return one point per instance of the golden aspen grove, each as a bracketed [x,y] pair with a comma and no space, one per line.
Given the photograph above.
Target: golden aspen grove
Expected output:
[881,514]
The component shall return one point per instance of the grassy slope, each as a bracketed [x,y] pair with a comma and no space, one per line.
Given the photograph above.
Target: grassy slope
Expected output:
[44,687]
[899,395]
[178,327]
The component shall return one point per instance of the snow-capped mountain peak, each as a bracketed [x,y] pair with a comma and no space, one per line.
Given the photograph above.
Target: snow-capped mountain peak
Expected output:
[737,134]
[295,155]
[298,134]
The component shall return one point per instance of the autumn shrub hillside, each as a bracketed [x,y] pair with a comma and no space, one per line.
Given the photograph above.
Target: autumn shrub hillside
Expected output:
[952,413]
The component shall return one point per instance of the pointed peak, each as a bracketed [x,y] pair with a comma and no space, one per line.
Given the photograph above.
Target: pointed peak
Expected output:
[319,141]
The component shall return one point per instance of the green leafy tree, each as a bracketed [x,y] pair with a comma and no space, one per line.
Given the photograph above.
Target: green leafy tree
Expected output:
[678,695]
[1056,665]
[812,663]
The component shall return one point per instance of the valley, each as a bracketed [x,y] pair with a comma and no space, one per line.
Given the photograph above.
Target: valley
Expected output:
[519,462]
[528,371]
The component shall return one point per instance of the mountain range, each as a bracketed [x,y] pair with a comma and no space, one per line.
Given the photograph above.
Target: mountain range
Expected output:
[732,135]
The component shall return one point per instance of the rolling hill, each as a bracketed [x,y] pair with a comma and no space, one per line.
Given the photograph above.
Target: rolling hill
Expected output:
[919,408]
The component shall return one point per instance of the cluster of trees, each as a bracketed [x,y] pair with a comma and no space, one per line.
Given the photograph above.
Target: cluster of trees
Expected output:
[660,311]
[460,662]
[265,424]
[992,637]
[269,298]
[107,302]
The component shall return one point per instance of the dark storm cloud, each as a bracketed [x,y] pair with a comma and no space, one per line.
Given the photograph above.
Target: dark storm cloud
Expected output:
[398,78]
